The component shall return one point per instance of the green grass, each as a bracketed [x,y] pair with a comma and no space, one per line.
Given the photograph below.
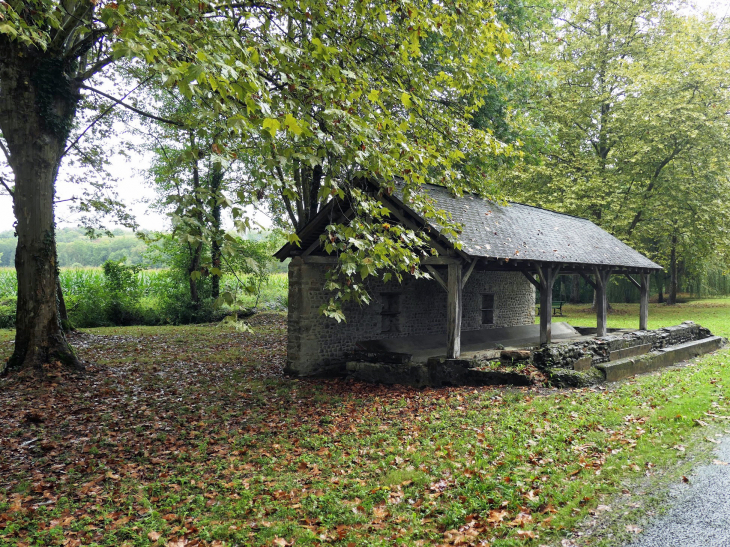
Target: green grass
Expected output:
[711,313]
[192,432]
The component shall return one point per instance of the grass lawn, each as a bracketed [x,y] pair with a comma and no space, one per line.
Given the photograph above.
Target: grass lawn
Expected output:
[711,313]
[192,436]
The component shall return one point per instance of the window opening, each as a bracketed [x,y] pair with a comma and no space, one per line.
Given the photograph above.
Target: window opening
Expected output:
[488,309]
[390,315]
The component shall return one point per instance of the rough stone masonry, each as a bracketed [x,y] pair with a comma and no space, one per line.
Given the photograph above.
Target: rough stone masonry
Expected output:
[320,345]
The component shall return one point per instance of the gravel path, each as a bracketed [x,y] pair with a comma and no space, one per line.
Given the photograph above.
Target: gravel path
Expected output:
[700,513]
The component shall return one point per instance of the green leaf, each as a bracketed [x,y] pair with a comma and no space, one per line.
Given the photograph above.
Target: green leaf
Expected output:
[272,126]
[292,124]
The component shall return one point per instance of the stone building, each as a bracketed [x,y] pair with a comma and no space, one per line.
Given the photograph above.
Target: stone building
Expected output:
[507,253]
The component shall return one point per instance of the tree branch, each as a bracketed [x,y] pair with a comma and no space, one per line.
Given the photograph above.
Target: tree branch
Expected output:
[130,107]
[5,152]
[100,116]
[2,181]
[95,68]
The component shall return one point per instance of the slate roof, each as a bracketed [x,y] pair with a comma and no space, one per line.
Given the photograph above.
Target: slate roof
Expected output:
[523,232]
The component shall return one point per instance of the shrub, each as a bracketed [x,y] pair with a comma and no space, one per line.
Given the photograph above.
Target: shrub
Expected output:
[122,293]
[7,311]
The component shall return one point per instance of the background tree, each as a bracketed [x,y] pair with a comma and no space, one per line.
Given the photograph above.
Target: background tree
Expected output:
[637,112]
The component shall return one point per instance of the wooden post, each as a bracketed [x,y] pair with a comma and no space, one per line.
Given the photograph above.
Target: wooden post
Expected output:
[644,306]
[453,316]
[547,278]
[602,277]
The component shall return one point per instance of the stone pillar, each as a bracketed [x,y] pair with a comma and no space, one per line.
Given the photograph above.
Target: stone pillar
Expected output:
[294,316]
[302,353]
[454,311]
[644,305]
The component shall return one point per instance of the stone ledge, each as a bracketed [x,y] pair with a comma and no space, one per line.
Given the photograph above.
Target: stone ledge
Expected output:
[665,357]
[633,351]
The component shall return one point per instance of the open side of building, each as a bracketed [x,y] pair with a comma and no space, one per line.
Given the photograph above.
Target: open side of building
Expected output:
[507,252]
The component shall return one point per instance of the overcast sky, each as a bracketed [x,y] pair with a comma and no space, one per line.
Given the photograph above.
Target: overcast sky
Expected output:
[136,194]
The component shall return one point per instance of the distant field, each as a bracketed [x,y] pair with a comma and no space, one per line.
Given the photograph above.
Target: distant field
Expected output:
[84,285]
[75,279]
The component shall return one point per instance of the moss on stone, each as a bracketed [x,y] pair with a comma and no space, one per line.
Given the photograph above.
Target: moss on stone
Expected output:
[561,377]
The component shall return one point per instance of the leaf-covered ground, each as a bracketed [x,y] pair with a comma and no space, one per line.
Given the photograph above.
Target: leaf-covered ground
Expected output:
[192,436]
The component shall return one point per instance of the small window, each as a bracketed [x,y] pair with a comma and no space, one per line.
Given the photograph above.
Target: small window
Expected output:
[390,316]
[487,309]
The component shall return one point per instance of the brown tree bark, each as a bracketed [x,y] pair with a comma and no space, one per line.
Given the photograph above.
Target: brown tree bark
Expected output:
[196,249]
[216,178]
[308,181]
[575,289]
[660,286]
[672,297]
[37,106]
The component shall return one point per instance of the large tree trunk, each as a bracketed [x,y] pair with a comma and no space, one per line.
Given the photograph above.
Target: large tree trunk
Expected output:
[216,178]
[575,290]
[37,105]
[660,287]
[62,311]
[672,298]
[196,249]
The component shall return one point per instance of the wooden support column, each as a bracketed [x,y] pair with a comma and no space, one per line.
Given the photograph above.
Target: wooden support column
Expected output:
[547,278]
[454,307]
[602,277]
[644,305]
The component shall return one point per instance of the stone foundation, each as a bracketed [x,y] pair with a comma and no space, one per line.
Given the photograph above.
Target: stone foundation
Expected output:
[435,373]
[577,364]
[615,346]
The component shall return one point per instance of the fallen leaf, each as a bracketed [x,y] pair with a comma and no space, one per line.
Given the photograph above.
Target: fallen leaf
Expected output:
[495,516]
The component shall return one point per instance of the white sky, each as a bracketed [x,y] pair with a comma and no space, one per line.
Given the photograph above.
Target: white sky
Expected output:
[136,194]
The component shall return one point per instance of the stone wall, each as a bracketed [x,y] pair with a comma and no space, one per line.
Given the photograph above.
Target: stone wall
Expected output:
[599,349]
[318,344]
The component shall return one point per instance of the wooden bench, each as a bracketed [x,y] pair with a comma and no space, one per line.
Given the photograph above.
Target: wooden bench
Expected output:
[557,308]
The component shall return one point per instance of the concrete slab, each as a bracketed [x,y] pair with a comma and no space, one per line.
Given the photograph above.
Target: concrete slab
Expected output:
[472,342]
[623,368]
[633,351]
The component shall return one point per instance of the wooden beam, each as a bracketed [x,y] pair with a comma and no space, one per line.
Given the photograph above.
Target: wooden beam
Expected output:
[437,277]
[439,260]
[633,281]
[318,242]
[547,274]
[602,277]
[313,247]
[468,272]
[531,279]
[412,225]
[588,280]
[453,315]
[314,259]
[644,302]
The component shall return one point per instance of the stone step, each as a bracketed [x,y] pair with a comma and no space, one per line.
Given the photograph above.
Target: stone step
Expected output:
[631,366]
